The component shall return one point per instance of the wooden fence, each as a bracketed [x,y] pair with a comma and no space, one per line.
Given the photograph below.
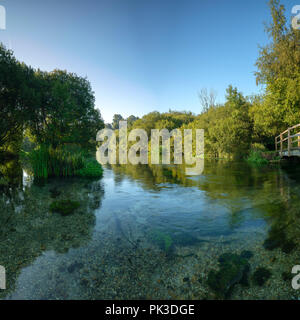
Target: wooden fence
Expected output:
[288,141]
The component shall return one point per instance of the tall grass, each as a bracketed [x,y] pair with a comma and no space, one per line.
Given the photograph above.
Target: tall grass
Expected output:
[256,158]
[62,162]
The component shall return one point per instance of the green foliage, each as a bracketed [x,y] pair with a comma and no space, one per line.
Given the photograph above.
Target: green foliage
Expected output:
[54,108]
[116,119]
[231,133]
[58,108]
[64,207]
[65,112]
[63,162]
[91,169]
[47,162]
[256,158]
[279,70]
[13,108]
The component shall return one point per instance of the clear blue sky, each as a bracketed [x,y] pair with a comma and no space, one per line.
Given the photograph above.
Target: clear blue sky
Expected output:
[143,55]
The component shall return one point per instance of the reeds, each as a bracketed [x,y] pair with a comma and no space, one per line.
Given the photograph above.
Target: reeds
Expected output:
[63,162]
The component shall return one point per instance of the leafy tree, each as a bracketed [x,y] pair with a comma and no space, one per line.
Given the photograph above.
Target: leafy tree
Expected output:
[130,120]
[279,70]
[13,76]
[64,110]
[116,119]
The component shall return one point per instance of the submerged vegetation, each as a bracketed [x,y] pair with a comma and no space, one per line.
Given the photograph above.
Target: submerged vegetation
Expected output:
[234,269]
[50,121]
[261,275]
[64,207]
[278,239]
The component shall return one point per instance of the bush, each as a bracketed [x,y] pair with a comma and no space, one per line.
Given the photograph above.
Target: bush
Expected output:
[91,169]
[258,147]
[257,158]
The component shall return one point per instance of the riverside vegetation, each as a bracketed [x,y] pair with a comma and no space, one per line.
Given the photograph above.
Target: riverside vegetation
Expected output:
[164,219]
[53,110]
[245,127]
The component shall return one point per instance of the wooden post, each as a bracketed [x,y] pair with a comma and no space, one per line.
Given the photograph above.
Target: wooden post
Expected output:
[289,142]
[276,144]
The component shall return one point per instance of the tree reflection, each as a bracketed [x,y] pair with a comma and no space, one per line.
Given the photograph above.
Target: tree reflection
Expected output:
[27,227]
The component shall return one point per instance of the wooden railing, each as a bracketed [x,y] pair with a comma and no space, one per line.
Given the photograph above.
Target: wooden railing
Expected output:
[288,141]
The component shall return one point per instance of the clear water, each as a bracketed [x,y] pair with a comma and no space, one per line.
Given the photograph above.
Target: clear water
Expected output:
[146,232]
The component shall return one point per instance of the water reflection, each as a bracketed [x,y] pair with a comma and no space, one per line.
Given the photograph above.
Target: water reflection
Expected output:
[155,233]
[28,228]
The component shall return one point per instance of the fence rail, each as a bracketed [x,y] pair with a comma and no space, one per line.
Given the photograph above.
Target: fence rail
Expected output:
[288,141]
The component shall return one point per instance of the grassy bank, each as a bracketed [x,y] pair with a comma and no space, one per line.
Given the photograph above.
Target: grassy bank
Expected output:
[63,162]
[262,157]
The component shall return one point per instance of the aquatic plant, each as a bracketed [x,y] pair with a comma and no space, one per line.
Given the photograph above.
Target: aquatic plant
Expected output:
[163,240]
[184,239]
[261,275]
[64,207]
[63,162]
[246,254]
[287,276]
[234,269]
[277,239]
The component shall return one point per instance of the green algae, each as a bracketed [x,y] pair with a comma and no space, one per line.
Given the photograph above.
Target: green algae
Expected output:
[163,240]
[233,270]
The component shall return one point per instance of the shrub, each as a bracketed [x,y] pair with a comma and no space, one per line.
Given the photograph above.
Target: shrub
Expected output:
[257,158]
[91,169]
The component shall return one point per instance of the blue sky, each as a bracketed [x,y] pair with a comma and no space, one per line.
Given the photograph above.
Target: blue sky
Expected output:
[143,55]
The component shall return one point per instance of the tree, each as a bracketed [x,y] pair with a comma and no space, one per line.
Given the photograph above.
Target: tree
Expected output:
[131,120]
[207,100]
[14,79]
[231,132]
[116,119]
[279,70]
[64,110]
[280,58]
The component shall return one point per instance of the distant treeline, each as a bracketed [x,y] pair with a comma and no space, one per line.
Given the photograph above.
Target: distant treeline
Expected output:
[242,123]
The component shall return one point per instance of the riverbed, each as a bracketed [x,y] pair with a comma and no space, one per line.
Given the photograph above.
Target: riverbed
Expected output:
[149,232]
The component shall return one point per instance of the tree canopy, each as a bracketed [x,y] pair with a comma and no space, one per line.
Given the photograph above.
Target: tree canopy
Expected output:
[54,108]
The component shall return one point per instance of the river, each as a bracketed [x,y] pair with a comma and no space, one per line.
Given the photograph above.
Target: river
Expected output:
[149,232]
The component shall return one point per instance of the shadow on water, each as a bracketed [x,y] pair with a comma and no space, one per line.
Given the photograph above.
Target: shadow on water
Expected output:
[28,228]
